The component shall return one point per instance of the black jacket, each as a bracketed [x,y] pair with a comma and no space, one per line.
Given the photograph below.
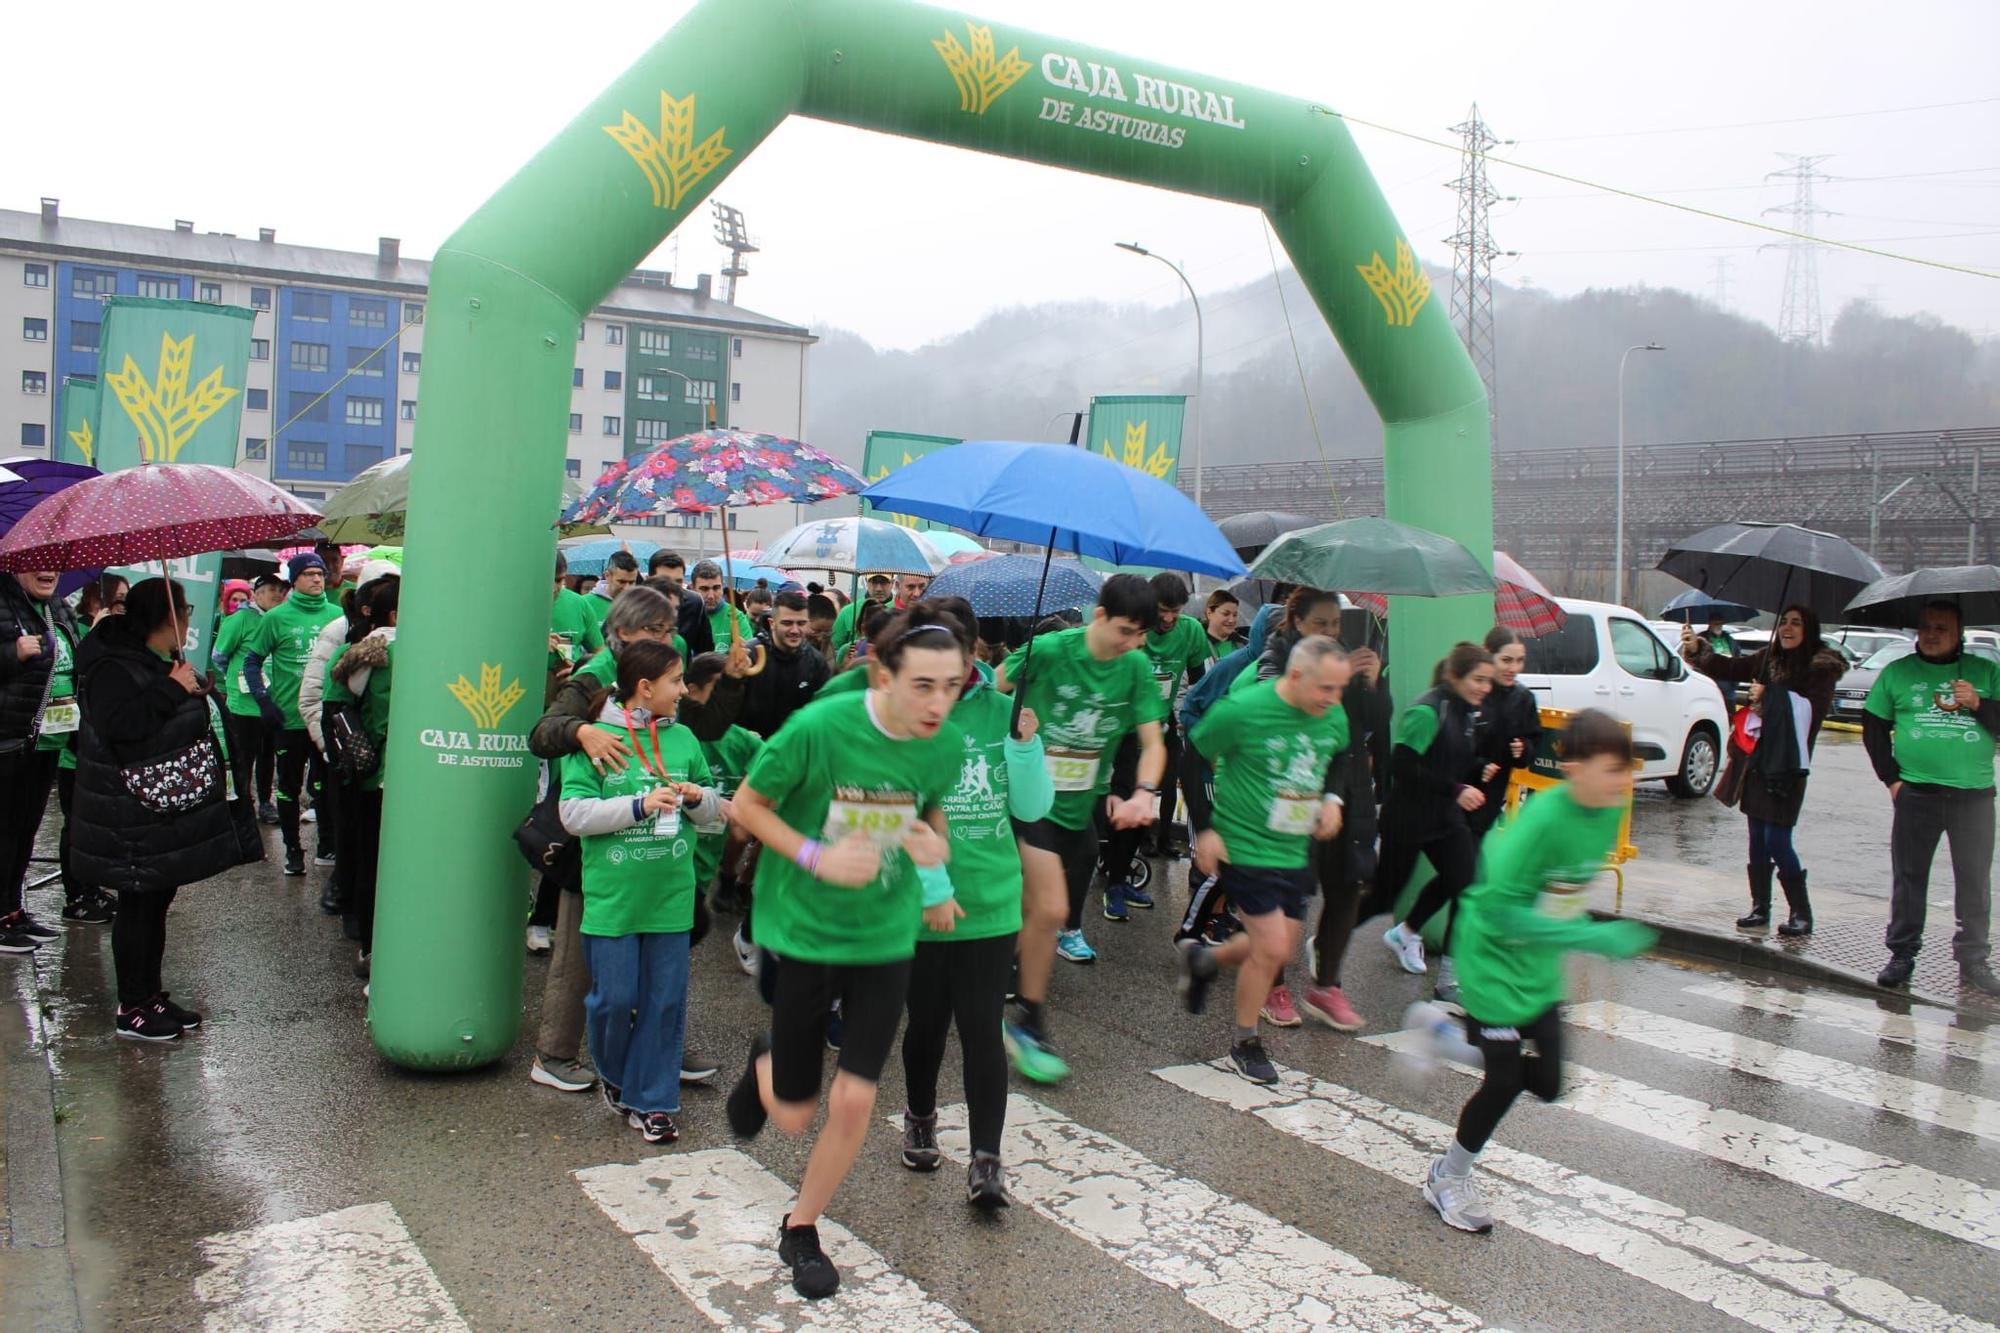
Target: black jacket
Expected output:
[692,622]
[787,683]
[1779,801]
[1423,795]
[134,713]
[24,686]
[1510,713]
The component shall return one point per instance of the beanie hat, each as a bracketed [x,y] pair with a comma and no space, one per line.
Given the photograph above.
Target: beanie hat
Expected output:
[234,585]
[302,562]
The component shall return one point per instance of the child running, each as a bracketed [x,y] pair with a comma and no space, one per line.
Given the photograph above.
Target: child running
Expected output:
[847,800]
[1514,926]
[638,885]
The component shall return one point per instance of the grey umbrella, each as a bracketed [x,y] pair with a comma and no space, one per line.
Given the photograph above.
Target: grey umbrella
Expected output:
[1897,602]
[1250,533]
[1771,566]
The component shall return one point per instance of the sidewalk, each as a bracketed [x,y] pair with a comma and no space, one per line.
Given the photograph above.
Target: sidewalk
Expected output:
[1695,911]
[37,1289]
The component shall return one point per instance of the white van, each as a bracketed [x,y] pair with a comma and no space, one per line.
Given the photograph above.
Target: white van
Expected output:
[1608,657]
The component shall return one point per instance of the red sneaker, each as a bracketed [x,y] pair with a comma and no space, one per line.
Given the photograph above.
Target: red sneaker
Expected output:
[1330,1007]
[1278,1010]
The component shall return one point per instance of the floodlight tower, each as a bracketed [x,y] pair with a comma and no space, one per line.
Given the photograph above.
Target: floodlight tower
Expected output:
[735,238]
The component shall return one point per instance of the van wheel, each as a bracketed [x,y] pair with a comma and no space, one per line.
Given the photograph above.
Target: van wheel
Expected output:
[1700,764]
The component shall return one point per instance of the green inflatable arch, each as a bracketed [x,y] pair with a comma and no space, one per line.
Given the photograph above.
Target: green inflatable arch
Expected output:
[509,288]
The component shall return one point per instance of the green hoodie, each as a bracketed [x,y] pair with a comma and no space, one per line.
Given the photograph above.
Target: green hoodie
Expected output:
[282,640]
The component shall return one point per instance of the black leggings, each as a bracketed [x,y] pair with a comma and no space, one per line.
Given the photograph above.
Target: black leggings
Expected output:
[1453,855]
[299,776]
[1340,893]
[138,942]
[361,814]
[964,980]
[1510,1071]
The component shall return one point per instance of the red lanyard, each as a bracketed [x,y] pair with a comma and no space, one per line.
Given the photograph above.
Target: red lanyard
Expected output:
[652,730]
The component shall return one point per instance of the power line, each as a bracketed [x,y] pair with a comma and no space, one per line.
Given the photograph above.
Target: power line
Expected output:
[1757,124]
[1597,193]
[1747,247]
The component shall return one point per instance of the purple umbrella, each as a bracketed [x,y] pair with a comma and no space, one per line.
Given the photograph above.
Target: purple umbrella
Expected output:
[25,483]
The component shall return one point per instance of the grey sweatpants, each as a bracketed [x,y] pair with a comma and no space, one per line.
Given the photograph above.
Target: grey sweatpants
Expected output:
[1964,818]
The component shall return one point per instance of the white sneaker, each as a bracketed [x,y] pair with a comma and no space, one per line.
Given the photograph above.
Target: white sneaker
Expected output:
[746,953]
[1457,1199]
[309,815]
[1443,1034]
[1447,984]
[540,940]
[1408,946]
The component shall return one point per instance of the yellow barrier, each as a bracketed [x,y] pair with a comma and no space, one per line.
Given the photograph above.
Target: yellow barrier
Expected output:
[1545,771]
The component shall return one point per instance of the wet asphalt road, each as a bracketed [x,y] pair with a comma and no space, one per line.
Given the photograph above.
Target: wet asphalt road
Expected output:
[278,1111]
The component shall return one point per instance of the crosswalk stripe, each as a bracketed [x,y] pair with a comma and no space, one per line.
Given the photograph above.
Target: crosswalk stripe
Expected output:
[1225,1258]
[1756,1280]
[709,1221]
[1919,1028]
[354,1268]
[1929,1199]
[1872,1088]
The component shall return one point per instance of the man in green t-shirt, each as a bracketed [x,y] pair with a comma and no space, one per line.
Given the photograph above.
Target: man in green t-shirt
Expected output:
[1276,791]
[1179,650]
[1929,725]
[621,571]
[273,666]
[1090,687]
[576,632]
[252,746]
[707,584]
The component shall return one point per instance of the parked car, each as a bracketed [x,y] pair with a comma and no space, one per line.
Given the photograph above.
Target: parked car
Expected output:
[1852,692]
[1859,644]
[1609,657]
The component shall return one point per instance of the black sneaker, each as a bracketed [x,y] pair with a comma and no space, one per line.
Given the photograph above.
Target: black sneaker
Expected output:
[1897,973]
[813,1274]
[1252,1063]
[21,922]
[13,941]
[1197,970]
[323,858]
[163,1005]
[694,1069]
[986,1182]
[920,1145]
[267,813]
[613,1097]
[95,910]
[295,864]
[140,1023]
[745,1107]
[654,1126]
[1979,977]
[331,900]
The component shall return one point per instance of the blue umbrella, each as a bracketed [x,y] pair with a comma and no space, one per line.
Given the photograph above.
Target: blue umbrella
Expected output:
[747,575]
[856,546]
[25,483]
[588,556]
[1007,585]
[1695,607]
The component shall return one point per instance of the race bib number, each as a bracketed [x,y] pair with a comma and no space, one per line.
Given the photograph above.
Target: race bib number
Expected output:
[1073,770]
[1293,815]
[60,717]
[884,822]
[1564,902]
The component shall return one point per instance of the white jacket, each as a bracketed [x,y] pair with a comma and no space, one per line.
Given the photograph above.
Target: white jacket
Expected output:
[312,685]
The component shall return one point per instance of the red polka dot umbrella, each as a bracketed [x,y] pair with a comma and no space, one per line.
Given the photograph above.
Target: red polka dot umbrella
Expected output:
[155,511]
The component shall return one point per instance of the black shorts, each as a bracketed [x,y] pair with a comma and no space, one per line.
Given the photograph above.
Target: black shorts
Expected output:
[872,998]
[1076,848]
[1260,890]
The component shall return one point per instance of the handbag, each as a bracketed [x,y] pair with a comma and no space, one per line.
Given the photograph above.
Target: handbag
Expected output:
[185,780]
[547,846]
[349,748]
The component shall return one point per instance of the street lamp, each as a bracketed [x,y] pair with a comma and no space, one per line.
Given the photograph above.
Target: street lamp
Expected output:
[1618,583]
[1201,404]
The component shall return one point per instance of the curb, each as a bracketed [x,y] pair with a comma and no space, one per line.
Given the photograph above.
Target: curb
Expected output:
[37,1284]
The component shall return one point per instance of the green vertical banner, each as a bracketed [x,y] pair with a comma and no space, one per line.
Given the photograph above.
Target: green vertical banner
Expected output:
[76,441]
[888,450]
[171,377]
[1140,430]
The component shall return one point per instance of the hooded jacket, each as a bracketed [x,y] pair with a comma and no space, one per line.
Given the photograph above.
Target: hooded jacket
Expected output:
[788,682]
[24,686]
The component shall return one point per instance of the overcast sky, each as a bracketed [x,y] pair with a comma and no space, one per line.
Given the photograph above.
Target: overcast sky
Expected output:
[339,123]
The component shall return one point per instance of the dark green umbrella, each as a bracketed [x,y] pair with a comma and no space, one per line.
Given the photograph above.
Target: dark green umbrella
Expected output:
[1374,555]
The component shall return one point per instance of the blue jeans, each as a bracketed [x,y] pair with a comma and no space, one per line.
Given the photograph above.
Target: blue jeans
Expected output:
[636,1015]
[1772,844]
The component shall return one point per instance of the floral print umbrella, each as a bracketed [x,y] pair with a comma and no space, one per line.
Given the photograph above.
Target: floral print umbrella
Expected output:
[716,469]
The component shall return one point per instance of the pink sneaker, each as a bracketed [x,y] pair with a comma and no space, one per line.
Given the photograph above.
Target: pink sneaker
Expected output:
[1330,1007]
[1278,1010]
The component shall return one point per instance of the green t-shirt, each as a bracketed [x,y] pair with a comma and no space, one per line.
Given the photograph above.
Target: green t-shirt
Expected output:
[283,637]
[232,643]
[718,626]
[1527,907]
[985,864]
[1218,648]
[59,721]
[1172,653]
[829,769]
[728,760]
[641,879]
[1270,773]
[1416,728]
[846,626]
[1085,707]
[570,616]
[374,701]
[603,667]
[1936,746]
[598,606]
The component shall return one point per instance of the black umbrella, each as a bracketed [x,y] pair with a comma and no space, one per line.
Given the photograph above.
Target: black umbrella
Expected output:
[1897,602]
[1771,566]
[1250,533]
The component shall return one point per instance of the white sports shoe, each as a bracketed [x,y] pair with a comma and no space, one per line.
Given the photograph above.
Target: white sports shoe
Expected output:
[746,953]
[1408,946]
[540,939]
[1457,1199]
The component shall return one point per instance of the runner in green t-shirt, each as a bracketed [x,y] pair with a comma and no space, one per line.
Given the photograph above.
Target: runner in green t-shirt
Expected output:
[273,665]
[847,801]
[1180,652]
[1272,747]
[1090,686]
[638,824]
[1219,619]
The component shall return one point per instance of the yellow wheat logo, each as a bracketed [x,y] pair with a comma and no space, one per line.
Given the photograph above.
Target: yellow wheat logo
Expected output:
[672,161]
[1156,464]
[489,703]
[980,78]
[900,520]
[166,413]
[1403,292]
[84,441]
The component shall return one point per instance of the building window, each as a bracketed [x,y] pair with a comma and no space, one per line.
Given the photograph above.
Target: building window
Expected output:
[614,379]
[576,377]
[257,400]
[34,381]
[365,312]
[406,410]
[303,456]
[614,335]
[656,342]
[413,312]
[701,391]
[573,467]
[211,292]
[576,423]
[316,308]
[260,349]
[256,447]
[92,283]
[651,430]
[365,361]
[260,299]
[35,330]
[360,456]
[305,405]
[736,391]
[84,335]
[34,435]
[614,426]
[579,333]
[700,351]
[34,275]
[736,347]
[309,356]
[413,363]
[364,412]
[158,288]
[651,389]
